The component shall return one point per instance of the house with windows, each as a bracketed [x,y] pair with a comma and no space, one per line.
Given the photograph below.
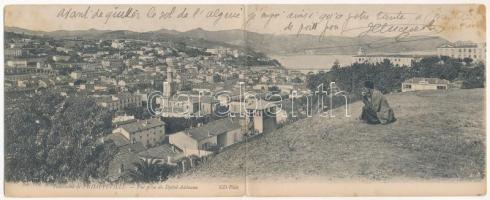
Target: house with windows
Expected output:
[261,114]
[148,132]
[208,138]
[123,161]
[165,153]
[415,84]
[119,101]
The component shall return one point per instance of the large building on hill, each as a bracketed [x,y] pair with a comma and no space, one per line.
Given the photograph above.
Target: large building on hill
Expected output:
[475,51]
[397,59]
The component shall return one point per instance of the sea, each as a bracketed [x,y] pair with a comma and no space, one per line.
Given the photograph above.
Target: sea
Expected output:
[312,62]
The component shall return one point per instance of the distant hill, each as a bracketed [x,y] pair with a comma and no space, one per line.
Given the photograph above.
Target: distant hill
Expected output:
[438,135]
[281,44]
[267,43]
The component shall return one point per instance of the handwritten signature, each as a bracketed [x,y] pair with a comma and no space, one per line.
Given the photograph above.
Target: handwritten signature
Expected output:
[404,29]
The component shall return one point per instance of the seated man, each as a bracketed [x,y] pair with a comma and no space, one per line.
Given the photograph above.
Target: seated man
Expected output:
[376,109]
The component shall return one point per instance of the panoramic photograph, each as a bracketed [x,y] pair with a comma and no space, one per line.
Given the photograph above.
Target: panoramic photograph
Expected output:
[244,100]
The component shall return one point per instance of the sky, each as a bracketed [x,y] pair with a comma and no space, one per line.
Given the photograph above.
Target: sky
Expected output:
[453,22]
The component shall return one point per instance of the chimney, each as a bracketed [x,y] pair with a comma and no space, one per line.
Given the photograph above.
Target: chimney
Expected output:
[173,148]
[209,134]
[169,159]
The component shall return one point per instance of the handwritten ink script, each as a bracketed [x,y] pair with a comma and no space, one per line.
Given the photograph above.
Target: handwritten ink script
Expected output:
[128,12]
[283,19]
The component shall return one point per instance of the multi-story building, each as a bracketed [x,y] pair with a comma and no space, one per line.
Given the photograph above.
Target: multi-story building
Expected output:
[17,63]
[117,44]
[397,60]
[86,74]
[14,52]
[208,138]
[262,118]
[120,101]
[147,132]
[475,51]
[112,64]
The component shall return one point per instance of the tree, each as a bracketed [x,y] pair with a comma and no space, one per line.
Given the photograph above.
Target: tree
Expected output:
[388,78]
[274,89]
[473,77]
[297,80]
[56,135]
[467,60]
[137,111]
[216,78]
[150,170]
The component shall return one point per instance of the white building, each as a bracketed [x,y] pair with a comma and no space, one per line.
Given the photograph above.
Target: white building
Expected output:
[59,58]
[17,63]
[475,51]
[14,52]
[117,44]
[415,84]
[208,138]
[397,60]
[117,102]
[148,132]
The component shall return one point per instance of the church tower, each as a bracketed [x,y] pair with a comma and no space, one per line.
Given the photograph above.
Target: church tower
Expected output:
[169,86]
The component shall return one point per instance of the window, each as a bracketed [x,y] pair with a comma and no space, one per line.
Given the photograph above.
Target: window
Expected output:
[407,86]
[441,87]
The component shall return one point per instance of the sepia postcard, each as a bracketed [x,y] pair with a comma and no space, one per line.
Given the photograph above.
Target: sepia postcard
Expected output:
[244,100]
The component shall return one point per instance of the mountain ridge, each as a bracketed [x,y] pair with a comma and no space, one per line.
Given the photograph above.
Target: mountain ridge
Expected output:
[263,42]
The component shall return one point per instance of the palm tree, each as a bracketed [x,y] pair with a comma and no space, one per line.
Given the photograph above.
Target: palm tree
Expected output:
[150,170]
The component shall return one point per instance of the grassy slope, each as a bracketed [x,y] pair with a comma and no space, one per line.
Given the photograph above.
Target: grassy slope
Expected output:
[438,135]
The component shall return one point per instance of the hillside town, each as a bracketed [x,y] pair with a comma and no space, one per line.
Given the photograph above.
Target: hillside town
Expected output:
[192,83]
[145,84]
